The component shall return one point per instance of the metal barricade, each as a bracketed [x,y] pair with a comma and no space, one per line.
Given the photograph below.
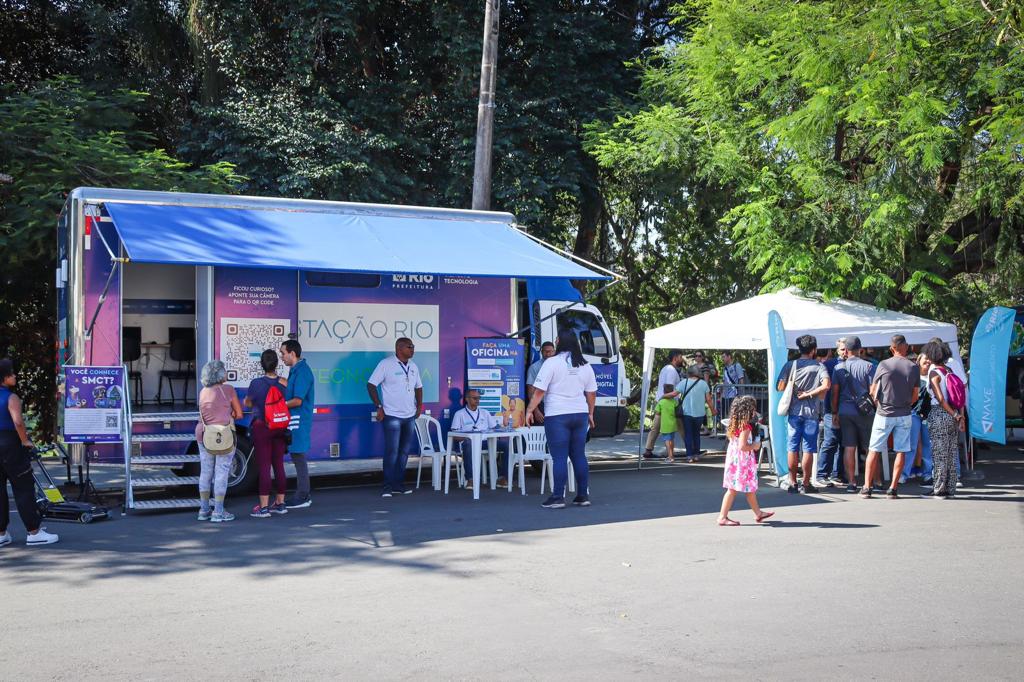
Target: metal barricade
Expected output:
[724,394]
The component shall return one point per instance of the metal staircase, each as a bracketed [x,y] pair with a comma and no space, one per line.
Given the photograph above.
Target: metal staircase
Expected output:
[138,468]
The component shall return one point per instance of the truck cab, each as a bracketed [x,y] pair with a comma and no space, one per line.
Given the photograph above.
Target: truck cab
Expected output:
[549,306]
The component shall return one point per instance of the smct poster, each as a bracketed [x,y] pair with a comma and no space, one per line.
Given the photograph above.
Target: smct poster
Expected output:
[496,368]
[93,404]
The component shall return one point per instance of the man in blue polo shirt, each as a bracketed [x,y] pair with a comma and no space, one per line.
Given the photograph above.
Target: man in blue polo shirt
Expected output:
[299,397]
[399,401]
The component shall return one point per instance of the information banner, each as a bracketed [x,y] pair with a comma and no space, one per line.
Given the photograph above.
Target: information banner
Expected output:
[497,368]
[777,356]
[990,351]
[93,404]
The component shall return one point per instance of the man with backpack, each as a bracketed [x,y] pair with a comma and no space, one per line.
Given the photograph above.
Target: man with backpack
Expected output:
[299,396]
[894,390]
[733,374]
[806,381]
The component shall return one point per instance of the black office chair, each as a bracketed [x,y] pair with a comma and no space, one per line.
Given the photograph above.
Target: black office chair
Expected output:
[131,347]
[183,351]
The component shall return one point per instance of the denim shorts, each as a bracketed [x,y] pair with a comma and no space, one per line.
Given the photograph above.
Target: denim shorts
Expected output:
[899,427]
[805,429]
[669,437]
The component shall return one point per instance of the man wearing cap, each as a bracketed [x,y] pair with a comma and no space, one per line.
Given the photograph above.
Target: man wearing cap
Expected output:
[853,377]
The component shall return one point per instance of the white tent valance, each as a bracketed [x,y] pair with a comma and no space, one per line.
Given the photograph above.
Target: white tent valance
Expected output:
[744,325]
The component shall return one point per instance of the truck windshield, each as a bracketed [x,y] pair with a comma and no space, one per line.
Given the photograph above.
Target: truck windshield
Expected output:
[588,330]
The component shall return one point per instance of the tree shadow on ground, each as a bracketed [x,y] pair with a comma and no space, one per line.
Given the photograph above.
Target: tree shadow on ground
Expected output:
[353,526]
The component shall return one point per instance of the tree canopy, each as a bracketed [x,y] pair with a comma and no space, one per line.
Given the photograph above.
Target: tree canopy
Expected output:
[870,149]
[57,135]
[705,149]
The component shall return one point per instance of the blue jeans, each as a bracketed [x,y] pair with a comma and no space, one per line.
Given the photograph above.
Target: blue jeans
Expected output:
[567,439]
[919,434]
[830,463]
[691,435]
[398,436]
[805,429]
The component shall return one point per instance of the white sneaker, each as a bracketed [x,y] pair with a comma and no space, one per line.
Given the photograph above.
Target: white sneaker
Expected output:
[5,539]
[42,538]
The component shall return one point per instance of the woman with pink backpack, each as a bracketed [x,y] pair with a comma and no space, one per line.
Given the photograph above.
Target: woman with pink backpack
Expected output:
[945,419]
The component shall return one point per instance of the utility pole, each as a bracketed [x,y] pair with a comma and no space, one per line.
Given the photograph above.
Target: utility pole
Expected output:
[485,110]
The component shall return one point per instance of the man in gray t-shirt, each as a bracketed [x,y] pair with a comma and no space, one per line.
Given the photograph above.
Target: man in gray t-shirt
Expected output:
[810,383]
[894,390]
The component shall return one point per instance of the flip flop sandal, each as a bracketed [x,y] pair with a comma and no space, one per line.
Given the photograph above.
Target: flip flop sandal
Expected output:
[727,522]
[765,515]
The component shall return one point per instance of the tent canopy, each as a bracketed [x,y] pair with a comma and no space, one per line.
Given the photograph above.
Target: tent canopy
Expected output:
[744,325]
[336,237]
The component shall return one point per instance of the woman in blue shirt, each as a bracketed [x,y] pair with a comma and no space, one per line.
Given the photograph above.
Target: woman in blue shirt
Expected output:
[16,466]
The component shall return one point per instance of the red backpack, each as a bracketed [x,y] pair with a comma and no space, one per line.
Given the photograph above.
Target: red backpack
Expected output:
[275,411]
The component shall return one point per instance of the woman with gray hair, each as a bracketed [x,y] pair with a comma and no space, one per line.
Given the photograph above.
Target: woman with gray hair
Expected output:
[218,405]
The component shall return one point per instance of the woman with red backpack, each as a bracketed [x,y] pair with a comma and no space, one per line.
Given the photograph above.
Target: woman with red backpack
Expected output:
[268,428]
[945,419]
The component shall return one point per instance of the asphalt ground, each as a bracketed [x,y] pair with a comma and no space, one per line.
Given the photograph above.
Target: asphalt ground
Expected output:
[643,584]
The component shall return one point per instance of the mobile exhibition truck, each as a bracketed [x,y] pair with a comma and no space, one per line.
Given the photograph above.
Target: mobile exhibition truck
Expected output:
[160,283]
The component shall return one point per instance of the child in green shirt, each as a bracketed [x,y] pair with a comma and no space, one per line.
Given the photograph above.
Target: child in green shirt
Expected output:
[667,408]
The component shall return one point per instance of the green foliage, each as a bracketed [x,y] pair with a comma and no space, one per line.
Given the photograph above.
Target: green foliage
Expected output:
[874,147]
[54,137]
[359,101]
[377,101]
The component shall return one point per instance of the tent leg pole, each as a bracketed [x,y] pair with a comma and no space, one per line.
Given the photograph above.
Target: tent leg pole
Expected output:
[640,445]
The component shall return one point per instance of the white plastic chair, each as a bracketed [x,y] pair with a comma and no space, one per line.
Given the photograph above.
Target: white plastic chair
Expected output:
[530,446]
[766,449]
[437,455]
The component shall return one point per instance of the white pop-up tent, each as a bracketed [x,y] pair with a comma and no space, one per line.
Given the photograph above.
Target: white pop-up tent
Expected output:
[744,326]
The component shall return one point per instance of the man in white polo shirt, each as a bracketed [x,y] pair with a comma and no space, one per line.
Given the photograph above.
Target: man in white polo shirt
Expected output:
[471,418]
[399,402]
[667,380]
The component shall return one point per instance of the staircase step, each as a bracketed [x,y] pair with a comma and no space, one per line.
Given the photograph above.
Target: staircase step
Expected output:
[164,481]
[175,503]
[165,460]
[153,417]
[162,437]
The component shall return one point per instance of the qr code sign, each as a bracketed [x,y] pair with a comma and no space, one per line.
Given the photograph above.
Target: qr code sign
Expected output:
[243,340]
[111,421]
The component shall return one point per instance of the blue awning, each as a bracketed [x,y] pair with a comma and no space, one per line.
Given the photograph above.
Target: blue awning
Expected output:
[438,242]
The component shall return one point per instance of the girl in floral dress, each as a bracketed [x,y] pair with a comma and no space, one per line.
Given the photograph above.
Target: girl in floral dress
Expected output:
[741,460]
